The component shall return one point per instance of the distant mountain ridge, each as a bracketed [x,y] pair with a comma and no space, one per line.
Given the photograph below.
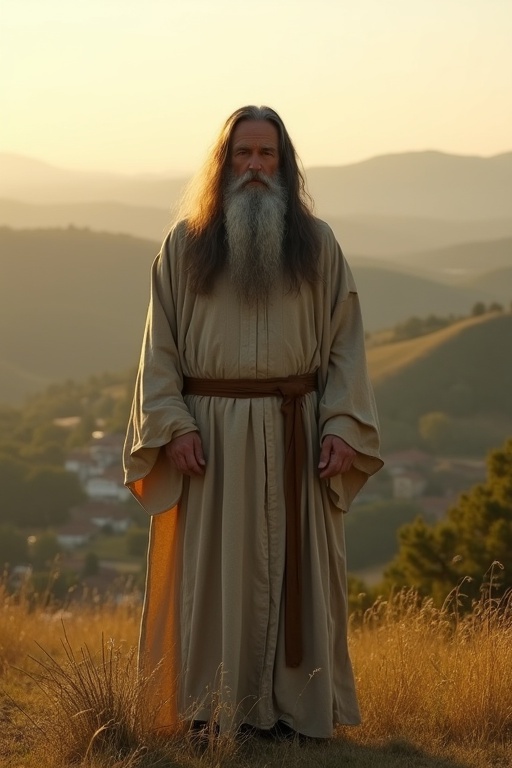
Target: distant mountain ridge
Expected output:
[389,297]
[432,184]
[419,184]
[116,218]
[27,180]
[72,303]
[391,206]
[375,236]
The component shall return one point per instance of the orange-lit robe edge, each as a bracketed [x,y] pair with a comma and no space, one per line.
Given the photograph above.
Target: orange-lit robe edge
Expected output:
[212,616]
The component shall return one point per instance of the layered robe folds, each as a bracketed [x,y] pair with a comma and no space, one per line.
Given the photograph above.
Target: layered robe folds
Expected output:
[213,611]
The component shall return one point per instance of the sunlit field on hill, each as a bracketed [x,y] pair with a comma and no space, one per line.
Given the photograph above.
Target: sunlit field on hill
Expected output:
[435,688]
[387,359]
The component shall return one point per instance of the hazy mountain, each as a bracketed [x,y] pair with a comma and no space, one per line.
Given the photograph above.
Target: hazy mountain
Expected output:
[139,221]
[400,205]
[417,184]
[72,303]
[389,296]
[33,181]
[373,235]
[452,280]
[497,282]
[463,259]
[393,236]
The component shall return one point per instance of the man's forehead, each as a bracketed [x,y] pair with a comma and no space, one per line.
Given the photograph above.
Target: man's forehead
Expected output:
[256,132]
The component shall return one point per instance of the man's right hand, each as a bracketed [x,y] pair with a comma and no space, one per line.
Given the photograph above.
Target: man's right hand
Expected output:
[186,453]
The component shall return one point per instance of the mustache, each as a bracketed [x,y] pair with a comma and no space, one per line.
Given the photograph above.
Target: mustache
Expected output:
[249,176]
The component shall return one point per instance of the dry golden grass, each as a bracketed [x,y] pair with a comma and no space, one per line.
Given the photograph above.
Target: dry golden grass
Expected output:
[435,688]
[437,678]
[386,360]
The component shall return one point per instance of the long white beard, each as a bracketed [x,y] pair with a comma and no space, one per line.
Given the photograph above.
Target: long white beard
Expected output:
[255,220]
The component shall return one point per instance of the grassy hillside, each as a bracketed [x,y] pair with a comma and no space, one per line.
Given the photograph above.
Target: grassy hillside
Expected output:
[435,689]
[466,368]
[387,361]
[389,296]
[136,220]
[497,282]
[72,303]
[464,371]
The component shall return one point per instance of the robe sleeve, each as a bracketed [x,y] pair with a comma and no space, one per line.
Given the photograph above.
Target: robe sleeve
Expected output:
[347,404]
[158,413]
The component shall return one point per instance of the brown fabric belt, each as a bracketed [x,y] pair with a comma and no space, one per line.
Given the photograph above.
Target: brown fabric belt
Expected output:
[291,389]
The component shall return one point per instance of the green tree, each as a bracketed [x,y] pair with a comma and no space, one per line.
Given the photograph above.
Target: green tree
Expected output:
[120,415]
[49,454]
[51,492]
[137,541]
[43,551]
[13,547]
[55,585]
[14,496]
[410,329]
[82,433]
[371,532]
[478,309]
[38,496]
[91,564]
[477,532]
[426,559]
[436,429]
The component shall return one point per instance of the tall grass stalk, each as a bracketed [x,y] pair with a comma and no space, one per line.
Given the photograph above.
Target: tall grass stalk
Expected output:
[26,617]
[435,676]
[99,711]
[94,703]
[438,680]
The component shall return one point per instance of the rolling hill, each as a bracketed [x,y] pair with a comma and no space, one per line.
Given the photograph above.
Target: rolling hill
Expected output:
[30,180]
[115,218]
[376,236]
[412,184]
[72,303]
[394,236]
[431,184]
[462,260]
[402,208]
[389,296]
[464,371]
[497,281]
[387,361]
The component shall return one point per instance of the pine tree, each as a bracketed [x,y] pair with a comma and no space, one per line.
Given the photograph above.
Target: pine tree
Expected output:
[476,532]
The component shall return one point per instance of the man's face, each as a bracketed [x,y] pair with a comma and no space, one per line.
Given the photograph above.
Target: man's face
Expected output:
[255,148]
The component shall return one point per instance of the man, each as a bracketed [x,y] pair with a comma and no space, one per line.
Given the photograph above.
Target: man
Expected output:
[253,427]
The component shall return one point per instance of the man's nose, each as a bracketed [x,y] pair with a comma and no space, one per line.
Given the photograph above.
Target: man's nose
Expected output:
[255,163]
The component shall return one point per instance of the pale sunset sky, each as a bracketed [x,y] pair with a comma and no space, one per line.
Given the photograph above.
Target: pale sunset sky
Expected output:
[144,85]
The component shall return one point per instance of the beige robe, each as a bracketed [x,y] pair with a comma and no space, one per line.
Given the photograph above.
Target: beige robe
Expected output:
[213,607]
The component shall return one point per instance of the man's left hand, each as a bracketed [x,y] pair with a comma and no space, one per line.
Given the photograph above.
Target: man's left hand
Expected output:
[336,456]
